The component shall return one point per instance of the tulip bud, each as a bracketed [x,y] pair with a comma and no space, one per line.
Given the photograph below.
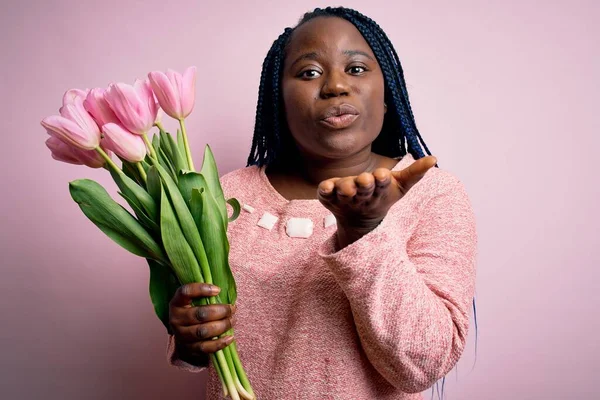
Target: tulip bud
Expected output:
[134,106]
[64,152]
[98,107]
[74,126]
[124,143]
[175,93]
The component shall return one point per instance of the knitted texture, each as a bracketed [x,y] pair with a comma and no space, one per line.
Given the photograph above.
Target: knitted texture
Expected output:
[383,318]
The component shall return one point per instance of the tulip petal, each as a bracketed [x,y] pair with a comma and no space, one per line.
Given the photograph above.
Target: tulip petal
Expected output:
[98,107]
[71,94]
[69,132]
[91,158]
[62,151]
[129,108]
[144,90]
[77,113]
[165,94]
[188,94]
[177,84]
[124,143]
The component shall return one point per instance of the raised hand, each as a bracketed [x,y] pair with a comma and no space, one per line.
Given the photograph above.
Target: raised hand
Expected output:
[360,203]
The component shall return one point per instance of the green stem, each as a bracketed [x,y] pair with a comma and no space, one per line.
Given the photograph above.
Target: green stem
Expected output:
[150,147]
[240,369]
[142,171]
[236,380]
[108,160]
[227,375]
[160,127]
[215,363]
[186,145]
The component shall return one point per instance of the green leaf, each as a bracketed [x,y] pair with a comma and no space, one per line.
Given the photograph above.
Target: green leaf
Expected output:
[196,205]
[180,254]
[156,142]
[211,174]
[186,222]
[163,160]
[177,159]
[214,236]
[187,181]
[153,184]
[237,208]
[163,285]
[136,193]
[141,215]
[130,170]
[114,220]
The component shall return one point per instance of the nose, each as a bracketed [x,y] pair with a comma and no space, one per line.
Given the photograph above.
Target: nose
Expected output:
[335,85]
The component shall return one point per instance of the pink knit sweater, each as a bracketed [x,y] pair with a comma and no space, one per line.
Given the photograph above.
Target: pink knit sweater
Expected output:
[384,318]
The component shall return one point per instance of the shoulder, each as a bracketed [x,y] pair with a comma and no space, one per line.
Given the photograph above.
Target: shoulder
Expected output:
[439,195]
[240,180]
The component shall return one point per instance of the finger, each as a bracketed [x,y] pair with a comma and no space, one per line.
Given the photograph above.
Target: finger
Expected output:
[206,331]
[185,294]
[408,177]
[201,314]
[345,189]
[209,346]
[365,184]
[327,188]
[383,178]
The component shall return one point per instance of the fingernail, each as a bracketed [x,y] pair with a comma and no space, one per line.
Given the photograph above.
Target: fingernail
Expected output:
[229,339]
[233,308]
[215,289]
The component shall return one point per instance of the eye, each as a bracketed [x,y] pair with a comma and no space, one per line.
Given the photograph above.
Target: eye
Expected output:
[357,70]
[310,74]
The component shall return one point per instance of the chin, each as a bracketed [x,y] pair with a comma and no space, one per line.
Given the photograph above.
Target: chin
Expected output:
[339,146]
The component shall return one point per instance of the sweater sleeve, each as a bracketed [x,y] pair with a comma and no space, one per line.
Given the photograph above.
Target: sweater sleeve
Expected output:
[174,360]
[410,294]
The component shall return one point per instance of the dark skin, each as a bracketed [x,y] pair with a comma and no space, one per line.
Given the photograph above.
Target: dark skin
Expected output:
[333,92]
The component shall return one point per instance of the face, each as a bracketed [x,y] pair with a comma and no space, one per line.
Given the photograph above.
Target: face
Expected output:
[333,89]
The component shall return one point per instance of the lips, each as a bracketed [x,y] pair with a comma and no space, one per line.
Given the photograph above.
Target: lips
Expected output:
[339,117]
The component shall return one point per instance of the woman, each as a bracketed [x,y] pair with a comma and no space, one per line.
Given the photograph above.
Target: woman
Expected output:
[375,305]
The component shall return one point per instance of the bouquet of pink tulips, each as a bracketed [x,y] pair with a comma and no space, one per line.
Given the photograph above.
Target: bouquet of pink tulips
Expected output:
[180,217]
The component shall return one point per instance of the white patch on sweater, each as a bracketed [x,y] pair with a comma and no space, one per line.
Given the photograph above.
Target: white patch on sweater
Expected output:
[267,221]
[299,227]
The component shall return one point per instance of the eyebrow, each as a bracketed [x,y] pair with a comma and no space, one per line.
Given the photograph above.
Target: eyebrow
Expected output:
[314,55]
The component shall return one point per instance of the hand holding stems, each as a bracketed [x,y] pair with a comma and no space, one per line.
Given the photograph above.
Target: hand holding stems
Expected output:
[194,327]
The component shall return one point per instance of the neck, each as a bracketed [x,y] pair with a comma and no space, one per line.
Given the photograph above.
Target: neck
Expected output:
[317,170]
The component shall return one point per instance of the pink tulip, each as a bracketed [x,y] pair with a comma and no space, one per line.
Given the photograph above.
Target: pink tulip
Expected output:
[134,106]
[71,94]
[74,126]
[98,107]
[175,93]
[64,152]
[124,143]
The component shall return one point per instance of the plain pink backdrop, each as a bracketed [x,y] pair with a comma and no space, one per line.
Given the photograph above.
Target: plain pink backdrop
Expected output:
[505,94]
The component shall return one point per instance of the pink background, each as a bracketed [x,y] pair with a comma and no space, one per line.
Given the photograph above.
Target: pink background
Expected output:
[505,94]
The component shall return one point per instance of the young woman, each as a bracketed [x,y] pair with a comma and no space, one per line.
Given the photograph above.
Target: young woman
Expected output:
[356,269]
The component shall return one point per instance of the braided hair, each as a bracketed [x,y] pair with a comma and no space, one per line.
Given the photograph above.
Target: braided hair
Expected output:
[272,142]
